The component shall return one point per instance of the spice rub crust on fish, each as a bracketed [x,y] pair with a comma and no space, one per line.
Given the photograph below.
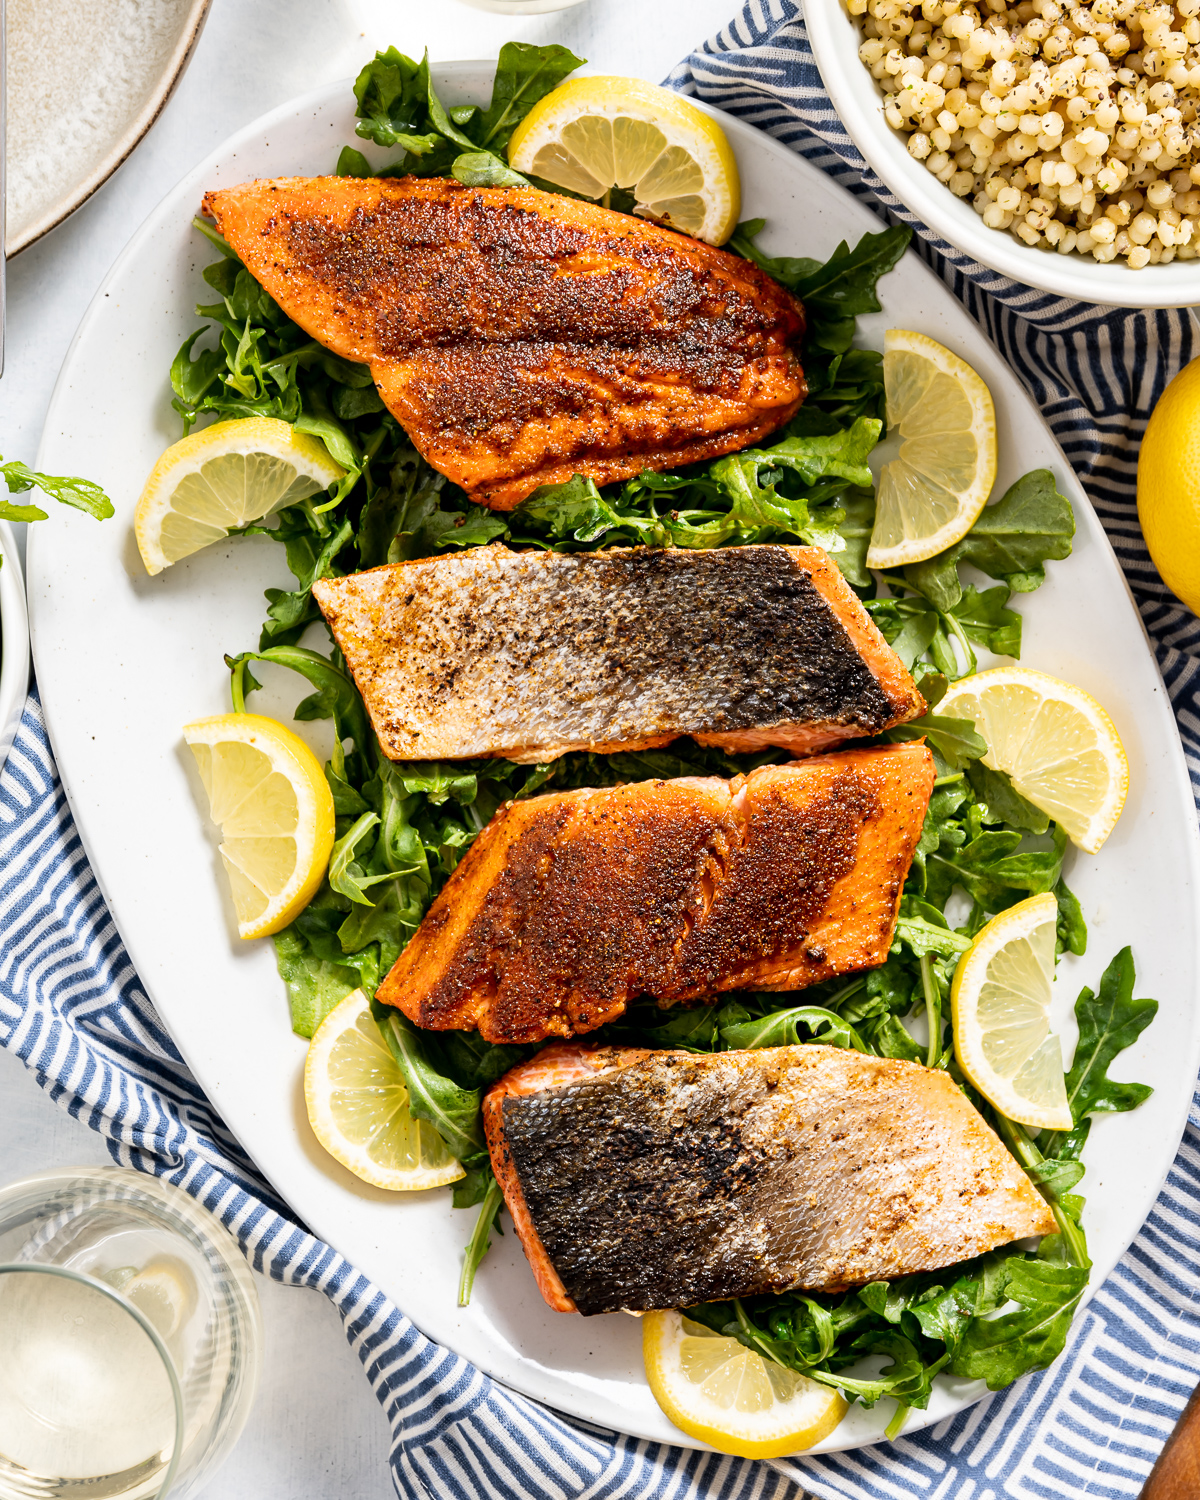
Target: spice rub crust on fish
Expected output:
[641,1180]
[570,905]
[530,654]
[521,337]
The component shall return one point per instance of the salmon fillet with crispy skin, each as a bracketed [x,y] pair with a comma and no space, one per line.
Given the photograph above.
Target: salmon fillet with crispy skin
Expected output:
[641,1180]
[571,905]
[521,337]
[530,654]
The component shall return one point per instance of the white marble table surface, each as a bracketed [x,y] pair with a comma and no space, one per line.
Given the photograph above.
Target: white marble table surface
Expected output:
[316,1430]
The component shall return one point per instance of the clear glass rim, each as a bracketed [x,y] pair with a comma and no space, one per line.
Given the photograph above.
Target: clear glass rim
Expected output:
[40,1268]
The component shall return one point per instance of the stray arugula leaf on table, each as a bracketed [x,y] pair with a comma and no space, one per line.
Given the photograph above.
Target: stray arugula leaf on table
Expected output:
[82,494]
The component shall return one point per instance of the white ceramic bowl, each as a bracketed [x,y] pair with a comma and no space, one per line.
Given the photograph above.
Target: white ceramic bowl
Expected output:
[856,96]
[14,640]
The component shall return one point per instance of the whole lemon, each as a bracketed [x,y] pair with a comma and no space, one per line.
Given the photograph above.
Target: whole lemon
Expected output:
[1168,485]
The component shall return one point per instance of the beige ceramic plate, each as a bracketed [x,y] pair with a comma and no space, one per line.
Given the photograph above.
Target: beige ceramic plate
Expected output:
[85,84]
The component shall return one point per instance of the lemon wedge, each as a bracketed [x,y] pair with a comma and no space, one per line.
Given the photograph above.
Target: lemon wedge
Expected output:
[1055,742]
[1168,485]
[595,134]
[222,477]
[358,1105]
[165,1291]
[1001,1003]
[931,494]
[715,1389]
[267,791]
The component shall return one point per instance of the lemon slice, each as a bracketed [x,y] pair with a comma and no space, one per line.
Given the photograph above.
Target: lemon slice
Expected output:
[1001,1003]
[593,134]
[165,1290]
[931,494]
[715,1389]
[267,791]
[358,1105]
[1057,744]
[222,477]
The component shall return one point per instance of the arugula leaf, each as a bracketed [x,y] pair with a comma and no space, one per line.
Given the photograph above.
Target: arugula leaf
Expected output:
[845,284]
[398,105]
[1012,540]
[480,1242]
[999,1349]
[82,494]
[1108,1023]
[1000,802]
[524,75]
[315,984]
[779,1029]
[1072,929]
[954,740]
[392,94]
[452,1111]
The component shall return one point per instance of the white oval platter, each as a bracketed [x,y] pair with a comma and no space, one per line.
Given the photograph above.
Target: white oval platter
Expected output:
[124,660]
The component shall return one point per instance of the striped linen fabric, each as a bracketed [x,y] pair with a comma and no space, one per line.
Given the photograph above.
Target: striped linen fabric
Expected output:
[73,1009]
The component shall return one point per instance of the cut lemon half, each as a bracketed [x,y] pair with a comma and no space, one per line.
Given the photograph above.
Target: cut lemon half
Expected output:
[223,477]
[358,1105]
[715,1389]
[595,134]
[931,494]
[268,792]
[1056,743]
[1001,1003]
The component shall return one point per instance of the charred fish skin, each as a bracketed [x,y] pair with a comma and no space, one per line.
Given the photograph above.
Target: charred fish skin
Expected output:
[570,905]
[521,337]
[529,655]
[666,1179]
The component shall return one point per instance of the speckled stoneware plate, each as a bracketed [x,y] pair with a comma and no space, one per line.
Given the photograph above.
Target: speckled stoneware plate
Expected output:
[85,83]
[124,660]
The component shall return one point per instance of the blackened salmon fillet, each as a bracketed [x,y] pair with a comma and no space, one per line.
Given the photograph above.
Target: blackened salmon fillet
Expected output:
[570,905]
[641,1180]
[521,337]
[527,655]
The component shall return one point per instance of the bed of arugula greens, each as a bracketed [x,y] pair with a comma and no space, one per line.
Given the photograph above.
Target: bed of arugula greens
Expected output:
[403,827]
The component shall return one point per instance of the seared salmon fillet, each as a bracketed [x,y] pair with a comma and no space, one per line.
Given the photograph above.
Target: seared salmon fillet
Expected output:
[520,337]
[531,654]
[570,905]
[641,1180]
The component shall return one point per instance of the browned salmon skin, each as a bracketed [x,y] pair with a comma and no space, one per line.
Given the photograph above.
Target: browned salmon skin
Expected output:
[570,905]
[641,1180]
[530,654]
[521,337]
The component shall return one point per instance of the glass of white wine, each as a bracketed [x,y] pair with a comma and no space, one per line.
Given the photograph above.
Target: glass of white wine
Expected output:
[130,1338]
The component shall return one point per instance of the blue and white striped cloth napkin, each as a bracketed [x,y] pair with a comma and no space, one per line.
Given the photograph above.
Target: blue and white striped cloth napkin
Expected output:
[73,1009]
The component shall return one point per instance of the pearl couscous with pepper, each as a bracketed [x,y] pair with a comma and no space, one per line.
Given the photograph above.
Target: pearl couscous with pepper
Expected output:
[1070,123]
